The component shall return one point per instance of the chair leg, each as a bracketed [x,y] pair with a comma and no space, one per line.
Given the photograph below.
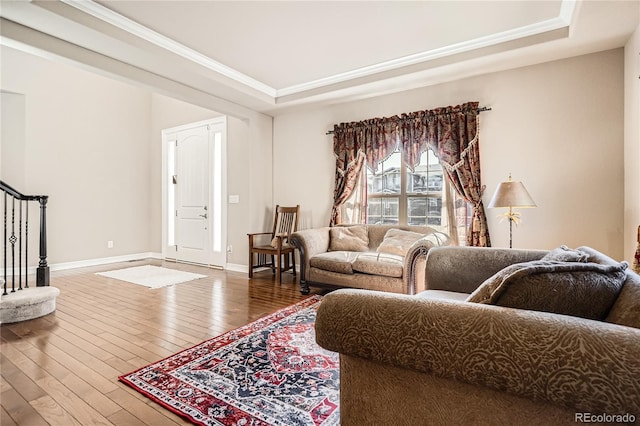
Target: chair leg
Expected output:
[250,264]
[279,269]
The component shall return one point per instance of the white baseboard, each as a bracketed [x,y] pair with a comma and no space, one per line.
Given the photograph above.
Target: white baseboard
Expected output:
[93,262]
[104,261]
[233,267]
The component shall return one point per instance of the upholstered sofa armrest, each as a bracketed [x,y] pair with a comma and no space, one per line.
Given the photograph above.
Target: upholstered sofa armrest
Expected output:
[463,269]
[415,261]
[310,242]
[576,363]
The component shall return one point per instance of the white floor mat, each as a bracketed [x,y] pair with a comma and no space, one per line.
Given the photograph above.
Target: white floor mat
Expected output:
[151,276]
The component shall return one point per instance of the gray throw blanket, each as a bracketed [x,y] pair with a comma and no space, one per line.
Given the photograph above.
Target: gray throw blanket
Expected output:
[586,290]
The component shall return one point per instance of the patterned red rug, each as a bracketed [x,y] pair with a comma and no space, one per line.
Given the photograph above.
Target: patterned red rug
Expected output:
[268,372]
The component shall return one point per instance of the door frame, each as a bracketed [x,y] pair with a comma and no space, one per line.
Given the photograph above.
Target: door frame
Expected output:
[167,251]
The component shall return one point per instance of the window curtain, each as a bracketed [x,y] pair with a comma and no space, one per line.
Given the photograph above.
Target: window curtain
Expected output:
[636,257]
[452,134]
[448,205]
[349,149]
[353,144]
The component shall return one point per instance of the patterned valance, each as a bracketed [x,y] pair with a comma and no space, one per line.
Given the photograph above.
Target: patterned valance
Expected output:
[415,132]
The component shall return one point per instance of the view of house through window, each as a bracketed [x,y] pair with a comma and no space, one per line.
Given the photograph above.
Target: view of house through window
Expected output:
[397,195]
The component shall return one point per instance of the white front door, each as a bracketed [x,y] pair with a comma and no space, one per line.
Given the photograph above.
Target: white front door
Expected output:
[195,194]
[192,195]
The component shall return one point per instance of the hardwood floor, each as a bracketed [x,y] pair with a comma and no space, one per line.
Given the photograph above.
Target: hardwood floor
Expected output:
[62,369]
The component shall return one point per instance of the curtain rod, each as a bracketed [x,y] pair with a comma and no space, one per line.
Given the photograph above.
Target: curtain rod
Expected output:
[480,109]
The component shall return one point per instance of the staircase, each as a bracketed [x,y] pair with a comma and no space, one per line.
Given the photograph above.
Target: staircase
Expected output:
[28,303]
[19,302]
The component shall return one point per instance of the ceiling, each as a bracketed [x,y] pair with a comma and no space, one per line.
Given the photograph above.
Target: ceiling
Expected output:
[270,55]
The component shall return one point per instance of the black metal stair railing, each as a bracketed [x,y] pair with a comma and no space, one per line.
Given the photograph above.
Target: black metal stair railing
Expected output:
[16,238]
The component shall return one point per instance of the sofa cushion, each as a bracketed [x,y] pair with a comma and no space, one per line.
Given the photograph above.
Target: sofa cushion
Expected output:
[348,238]
[334,261]
[586,290]
[565,254]
[387,265]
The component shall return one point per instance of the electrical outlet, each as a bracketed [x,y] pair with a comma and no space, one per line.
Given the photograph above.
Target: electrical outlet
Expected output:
[109,244]
[229,249]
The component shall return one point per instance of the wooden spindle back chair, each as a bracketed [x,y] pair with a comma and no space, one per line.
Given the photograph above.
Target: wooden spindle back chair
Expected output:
[285,222]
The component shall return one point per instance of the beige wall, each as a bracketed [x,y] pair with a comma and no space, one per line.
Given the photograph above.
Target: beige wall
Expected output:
[93,144]
[249,175]
[632,145]
[249,163]
[86,146]
[558,127]
[12,138]
[304,164]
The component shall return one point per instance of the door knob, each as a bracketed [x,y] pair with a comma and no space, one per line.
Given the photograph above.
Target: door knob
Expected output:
[203,215]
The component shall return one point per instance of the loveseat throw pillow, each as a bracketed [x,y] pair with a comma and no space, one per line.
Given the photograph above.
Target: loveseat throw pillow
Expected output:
[586,290]
[349,238]
[398,241]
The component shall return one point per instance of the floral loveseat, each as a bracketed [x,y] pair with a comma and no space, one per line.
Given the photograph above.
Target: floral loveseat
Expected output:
[375,257]
[546,342]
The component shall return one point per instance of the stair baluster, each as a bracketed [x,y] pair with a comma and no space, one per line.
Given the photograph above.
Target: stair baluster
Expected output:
[10,238]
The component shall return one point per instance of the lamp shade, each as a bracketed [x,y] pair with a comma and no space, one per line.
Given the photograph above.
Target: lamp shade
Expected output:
[511,194]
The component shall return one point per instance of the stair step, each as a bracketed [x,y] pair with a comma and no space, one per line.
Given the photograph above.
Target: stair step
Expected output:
[28,303]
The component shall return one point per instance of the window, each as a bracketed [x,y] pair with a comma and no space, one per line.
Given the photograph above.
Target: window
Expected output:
[397,195]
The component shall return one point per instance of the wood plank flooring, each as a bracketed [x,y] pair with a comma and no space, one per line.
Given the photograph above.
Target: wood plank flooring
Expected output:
[62,369]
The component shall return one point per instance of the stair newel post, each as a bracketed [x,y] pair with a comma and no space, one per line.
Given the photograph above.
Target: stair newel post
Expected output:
[26,246]
[4,245]
[42,273]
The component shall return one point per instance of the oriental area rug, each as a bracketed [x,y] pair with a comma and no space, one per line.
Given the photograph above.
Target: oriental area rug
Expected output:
[268,372]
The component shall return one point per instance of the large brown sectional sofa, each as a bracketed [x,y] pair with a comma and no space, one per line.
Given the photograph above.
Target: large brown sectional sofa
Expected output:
[388,258]
[437,359]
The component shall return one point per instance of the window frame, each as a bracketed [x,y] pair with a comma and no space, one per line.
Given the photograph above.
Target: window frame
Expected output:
[404,194]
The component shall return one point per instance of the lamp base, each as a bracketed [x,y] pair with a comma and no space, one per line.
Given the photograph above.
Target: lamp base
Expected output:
[510,232]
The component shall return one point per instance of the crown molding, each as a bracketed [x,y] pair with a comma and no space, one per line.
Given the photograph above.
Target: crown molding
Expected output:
[107,15]
[430,55]
[567,9]
[563,20]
